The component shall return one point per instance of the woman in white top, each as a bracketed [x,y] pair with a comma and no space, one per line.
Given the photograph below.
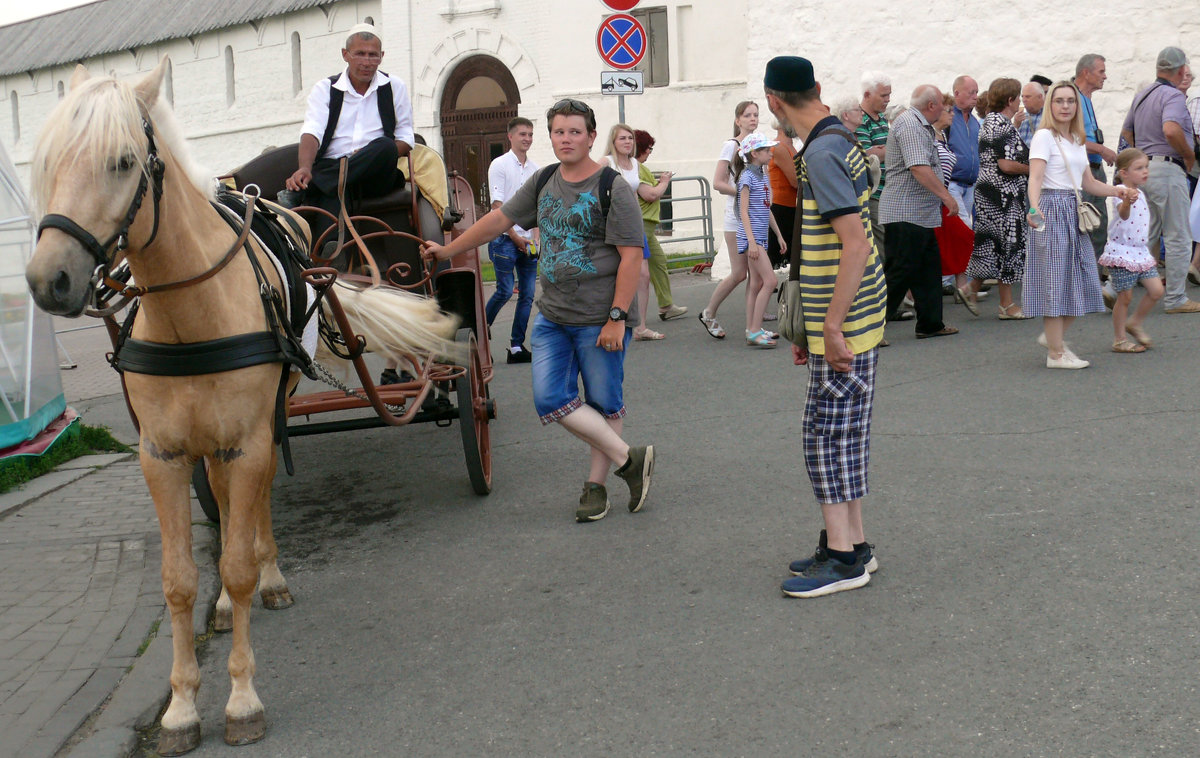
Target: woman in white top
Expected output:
[1061,281]
[621,148]
[744,123]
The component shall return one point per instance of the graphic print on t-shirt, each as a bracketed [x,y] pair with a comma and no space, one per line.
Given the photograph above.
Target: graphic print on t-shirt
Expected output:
[565,234]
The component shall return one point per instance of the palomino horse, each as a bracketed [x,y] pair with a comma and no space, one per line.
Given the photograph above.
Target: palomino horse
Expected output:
[94,164]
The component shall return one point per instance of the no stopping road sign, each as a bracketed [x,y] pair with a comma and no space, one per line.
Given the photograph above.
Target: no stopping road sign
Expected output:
[621,41]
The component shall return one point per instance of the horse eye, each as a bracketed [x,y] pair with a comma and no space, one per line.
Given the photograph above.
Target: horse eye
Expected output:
[122,164]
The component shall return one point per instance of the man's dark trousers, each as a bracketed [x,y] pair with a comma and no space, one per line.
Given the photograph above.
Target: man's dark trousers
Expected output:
[911,262]
[370,172]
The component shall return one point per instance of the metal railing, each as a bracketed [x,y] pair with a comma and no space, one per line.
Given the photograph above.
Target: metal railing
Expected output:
[703,204]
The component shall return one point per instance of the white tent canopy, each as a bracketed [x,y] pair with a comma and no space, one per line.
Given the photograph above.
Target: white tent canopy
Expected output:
[31,394]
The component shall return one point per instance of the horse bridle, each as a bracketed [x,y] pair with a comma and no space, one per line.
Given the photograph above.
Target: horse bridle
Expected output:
[104,253]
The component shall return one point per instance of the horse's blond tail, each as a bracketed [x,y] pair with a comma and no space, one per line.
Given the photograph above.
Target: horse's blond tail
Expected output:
[395,322]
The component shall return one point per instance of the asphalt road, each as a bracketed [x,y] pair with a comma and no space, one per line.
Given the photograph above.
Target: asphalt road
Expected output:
[1036,532]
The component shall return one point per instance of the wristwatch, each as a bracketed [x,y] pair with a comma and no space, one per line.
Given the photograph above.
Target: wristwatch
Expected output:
[616,314]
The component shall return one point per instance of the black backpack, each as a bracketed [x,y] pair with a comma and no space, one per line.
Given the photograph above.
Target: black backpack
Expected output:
[387,112]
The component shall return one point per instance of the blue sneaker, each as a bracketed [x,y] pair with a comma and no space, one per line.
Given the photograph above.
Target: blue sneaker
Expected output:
[868,557]
[826,576]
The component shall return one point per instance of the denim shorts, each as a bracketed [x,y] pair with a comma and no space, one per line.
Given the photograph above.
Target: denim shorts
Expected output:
[561,356]
[1124,279]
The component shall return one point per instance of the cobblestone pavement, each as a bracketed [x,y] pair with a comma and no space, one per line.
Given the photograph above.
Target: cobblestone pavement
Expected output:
[80,593]
[79,555]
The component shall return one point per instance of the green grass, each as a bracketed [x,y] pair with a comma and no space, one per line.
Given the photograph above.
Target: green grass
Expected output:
[89,440]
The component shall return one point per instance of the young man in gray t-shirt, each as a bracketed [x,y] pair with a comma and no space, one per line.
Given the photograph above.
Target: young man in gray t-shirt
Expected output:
[589,263]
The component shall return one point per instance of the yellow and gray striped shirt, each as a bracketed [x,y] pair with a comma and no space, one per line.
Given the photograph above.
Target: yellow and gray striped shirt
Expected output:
[835,181]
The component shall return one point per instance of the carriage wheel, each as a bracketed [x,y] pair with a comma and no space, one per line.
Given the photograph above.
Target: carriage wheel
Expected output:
[204,493]
[474,412]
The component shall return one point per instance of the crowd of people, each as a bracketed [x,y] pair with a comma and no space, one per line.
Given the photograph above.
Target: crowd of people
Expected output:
[982,190]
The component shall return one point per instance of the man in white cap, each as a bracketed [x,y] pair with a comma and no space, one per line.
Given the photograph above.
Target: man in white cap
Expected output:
[362,114]
[1159,125]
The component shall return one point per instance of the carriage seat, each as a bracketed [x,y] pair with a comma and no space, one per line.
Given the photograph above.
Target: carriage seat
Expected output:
[271,169]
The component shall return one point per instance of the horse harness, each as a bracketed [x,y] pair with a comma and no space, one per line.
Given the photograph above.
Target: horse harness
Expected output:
[246,214]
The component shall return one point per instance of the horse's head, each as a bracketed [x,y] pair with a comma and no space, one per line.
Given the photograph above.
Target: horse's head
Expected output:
[87,167]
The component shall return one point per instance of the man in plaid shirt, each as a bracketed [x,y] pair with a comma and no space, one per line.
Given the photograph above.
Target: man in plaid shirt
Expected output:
[909,210]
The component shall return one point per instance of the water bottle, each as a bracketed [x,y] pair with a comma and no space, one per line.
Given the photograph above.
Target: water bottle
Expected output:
[1039,221]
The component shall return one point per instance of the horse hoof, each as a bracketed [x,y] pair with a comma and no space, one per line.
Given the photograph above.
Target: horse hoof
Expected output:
[179,741]
[223,620]
[245,730]
[276,600]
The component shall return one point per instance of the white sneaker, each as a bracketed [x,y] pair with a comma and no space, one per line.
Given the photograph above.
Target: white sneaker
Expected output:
[1041,340]
[1066,360]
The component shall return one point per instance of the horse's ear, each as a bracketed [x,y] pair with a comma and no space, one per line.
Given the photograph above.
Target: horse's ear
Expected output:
[148,88]
[79,75]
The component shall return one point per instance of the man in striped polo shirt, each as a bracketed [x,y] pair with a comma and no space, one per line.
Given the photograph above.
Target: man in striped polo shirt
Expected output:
[872,134]
[843,300]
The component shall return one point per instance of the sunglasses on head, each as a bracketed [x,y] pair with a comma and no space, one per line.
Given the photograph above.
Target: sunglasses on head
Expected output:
[570,105]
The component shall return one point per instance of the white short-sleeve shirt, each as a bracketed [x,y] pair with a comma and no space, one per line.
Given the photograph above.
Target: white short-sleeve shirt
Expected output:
[1059,176]
[505,177]
[358,122]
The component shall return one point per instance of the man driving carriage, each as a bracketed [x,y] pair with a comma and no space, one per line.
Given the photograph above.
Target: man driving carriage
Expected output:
[363,115]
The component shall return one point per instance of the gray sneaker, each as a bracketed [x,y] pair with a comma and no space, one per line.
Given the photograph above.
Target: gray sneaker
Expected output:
[593,503]
[636,473]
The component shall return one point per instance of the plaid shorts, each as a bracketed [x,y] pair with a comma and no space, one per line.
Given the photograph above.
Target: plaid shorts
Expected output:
[837,427]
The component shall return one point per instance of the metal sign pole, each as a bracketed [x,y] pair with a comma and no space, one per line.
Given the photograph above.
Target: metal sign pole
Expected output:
[620,109]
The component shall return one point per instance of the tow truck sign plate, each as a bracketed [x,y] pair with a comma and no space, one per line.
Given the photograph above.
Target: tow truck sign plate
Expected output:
[621,83]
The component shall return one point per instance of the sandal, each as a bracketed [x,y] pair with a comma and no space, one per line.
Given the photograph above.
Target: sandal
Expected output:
[1125,346]
[647,335]
[1006,313]
[963,295]
[945,331]
[1139,334]
[759,339]
[711,325]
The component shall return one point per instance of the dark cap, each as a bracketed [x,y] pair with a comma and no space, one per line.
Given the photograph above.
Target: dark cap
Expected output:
[789,73]
[1045,82]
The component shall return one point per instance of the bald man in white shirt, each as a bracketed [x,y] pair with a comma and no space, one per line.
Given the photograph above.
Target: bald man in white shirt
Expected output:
[364,115]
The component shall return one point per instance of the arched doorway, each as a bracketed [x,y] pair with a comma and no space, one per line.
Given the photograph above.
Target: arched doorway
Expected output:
[480,98]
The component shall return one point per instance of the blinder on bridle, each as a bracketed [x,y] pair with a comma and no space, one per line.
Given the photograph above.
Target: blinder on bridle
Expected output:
[102,252]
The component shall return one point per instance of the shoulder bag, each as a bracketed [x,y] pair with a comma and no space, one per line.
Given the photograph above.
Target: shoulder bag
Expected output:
[1089,217]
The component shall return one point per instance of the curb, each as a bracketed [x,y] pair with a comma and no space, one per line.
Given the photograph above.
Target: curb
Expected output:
[66,473]
[141,694]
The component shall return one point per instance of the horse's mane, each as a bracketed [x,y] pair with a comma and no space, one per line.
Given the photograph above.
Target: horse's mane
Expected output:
[102,117]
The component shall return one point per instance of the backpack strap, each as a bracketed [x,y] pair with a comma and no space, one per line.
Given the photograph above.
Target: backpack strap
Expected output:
[384,99]
[607,176]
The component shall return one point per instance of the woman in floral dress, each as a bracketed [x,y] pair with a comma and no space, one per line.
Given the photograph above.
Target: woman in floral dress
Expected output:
[1000,202]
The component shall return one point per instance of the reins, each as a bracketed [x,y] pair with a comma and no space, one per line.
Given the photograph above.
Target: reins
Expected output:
[105,253]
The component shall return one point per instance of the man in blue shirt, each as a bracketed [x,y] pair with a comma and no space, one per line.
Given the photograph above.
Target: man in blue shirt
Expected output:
[1090,74]
[963,138]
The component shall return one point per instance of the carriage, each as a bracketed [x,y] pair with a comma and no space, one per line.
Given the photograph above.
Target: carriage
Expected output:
[389,229]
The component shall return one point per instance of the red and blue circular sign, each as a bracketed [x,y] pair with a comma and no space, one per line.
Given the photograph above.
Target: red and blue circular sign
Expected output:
[621,41]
